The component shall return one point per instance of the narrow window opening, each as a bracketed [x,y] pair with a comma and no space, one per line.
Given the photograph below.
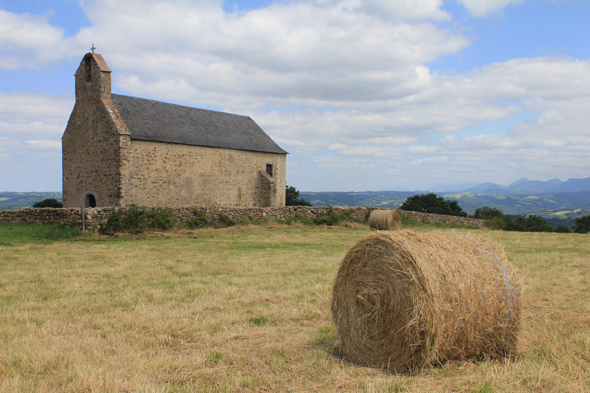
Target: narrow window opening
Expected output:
[269,169]
[88,68]
[89,201]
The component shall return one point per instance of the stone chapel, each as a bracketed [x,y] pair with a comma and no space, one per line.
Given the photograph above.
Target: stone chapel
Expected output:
[120,150]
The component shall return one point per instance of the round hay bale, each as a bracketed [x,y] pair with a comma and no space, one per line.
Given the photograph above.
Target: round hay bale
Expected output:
[404,300]
[383,220]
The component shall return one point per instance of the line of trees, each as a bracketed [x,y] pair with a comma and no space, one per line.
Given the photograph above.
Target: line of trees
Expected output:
[495,218]
[582,224]
[292,197]
[53,203]
[430,203]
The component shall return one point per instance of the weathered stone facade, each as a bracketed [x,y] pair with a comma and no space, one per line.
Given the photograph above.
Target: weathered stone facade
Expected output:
[105,165]
[92,218]
[166,174]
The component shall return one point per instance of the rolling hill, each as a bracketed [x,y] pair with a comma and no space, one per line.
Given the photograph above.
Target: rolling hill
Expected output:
[521,186]
[17,200]
[544,204]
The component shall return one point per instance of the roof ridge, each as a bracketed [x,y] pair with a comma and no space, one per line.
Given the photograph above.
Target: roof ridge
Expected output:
[158,121]
[182,106]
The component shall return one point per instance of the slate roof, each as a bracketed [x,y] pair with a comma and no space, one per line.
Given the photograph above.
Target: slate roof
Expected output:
[156,121]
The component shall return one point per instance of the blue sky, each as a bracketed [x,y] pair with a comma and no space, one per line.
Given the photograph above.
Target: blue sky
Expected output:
[365,95]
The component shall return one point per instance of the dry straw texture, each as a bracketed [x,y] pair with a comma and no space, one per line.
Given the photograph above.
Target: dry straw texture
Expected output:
[404,300]
[385,220]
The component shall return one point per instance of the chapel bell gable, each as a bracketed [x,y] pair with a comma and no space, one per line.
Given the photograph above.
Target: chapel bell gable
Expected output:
[93,78]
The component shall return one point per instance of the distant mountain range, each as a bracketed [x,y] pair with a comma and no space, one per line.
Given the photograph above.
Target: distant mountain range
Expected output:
[558,205]
[551,199]
[521,186]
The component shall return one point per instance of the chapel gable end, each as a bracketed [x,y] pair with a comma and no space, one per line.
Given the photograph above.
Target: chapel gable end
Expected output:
[95,141]
[93,79]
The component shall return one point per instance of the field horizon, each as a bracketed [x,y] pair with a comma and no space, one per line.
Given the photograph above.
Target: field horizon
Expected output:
[246,309]
[561,207]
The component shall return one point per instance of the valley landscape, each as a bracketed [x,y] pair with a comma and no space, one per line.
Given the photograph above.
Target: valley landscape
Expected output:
[551,200]
[17,200]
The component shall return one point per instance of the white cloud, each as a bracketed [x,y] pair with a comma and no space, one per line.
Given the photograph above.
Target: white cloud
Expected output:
[31,115]
[40,144]
[365,151]
[482,8]
[556,88]
[392,9]
[30,140]
[345,81]
[29,41]
[298,52]
[29,168]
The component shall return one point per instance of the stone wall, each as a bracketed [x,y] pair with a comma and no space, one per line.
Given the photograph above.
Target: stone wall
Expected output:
[427,218]
[94,217]
[167,174]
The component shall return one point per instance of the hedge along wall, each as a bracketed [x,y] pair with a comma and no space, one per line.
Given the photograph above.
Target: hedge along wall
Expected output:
[93,217]
[433,218]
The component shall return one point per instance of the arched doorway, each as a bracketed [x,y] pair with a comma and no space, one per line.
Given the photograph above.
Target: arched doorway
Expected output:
[89,200]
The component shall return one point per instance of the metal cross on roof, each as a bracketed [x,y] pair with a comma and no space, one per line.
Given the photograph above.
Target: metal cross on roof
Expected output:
[93,48]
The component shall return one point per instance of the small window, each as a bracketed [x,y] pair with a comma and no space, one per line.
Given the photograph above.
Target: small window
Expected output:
[269,169]
[89,201]
[88,68]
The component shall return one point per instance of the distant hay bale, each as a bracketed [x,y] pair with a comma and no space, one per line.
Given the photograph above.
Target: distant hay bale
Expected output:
[385,220]
[404,300]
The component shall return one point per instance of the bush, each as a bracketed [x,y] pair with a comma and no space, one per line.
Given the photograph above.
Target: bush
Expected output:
[328,218]
[137,219]
[161,220]
[292,197]
[562,229]
[332,218]
[113,224]
[54,203]
[582,224]
[430,203]
[487,213]
[495,223]
[409,221]
[528,224]
[198,220]
[134,220]
[297,218]
[225,221]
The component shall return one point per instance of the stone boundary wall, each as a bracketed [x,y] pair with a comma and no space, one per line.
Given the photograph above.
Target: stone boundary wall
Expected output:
[93,217]
[433,218]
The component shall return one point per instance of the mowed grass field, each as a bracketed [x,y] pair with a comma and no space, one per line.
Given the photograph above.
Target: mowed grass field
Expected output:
[246,309]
